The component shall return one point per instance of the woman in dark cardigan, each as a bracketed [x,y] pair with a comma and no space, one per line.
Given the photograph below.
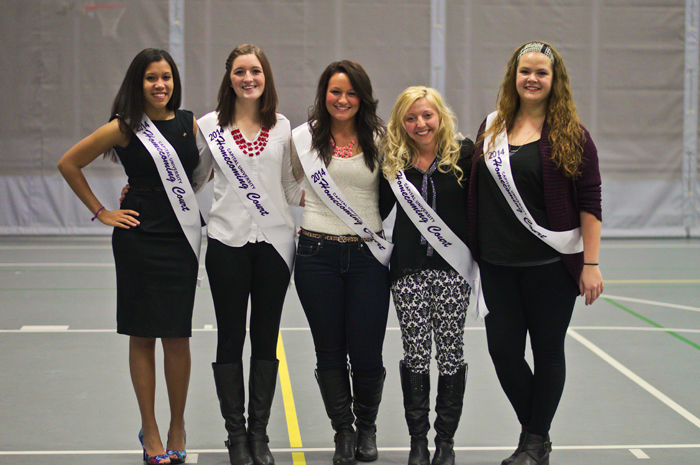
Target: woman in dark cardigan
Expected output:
[529,286]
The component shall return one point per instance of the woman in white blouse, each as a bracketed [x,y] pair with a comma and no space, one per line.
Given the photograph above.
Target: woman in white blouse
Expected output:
[242,260]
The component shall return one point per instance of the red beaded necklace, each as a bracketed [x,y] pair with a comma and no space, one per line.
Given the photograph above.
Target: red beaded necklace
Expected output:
[342,152]
[251,148]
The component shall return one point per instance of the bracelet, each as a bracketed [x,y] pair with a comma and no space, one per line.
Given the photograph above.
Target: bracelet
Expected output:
[591,264]
[98,211]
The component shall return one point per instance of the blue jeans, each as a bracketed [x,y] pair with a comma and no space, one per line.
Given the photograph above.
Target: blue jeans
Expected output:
[345,294]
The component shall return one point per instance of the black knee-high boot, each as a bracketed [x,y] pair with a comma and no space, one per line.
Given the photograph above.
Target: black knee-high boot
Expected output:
[335,391]
[231,392]
[261,391]
[450,400]
[367,395]
[416,404]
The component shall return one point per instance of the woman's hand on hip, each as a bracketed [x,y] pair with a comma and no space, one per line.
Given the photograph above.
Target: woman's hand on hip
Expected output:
[118,218]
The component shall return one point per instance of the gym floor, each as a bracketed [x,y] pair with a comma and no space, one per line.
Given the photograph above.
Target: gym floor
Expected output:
[66,396]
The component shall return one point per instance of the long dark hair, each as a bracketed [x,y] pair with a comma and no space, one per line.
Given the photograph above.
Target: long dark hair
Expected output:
[226,105]
[128,104]
[369,125]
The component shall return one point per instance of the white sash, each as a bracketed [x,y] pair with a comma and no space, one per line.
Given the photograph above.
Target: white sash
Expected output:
[498,164]
[332,197]
[234,165]
[440,236]
[175,182]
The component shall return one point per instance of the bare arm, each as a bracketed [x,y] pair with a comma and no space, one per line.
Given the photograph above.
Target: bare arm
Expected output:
[591,281]
[82,154]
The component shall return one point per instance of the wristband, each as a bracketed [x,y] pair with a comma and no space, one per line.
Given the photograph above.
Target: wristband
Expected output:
[590,264]
[98,211]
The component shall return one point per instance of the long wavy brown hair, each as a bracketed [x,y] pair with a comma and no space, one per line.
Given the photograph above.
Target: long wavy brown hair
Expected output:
[566,134]
[369,125]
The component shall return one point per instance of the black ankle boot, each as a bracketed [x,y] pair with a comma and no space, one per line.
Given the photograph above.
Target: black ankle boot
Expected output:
[518,449]
[416,404]
[261,391]
[367,395]
[231,392]
[335,391]
[535,450]
[448,406]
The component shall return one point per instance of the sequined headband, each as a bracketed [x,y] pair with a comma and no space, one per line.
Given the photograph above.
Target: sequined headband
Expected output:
[537,47]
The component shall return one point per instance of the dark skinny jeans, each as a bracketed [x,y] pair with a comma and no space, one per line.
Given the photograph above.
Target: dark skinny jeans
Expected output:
[345,294]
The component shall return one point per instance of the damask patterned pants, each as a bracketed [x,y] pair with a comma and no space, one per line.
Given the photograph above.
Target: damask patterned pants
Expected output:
[432,302]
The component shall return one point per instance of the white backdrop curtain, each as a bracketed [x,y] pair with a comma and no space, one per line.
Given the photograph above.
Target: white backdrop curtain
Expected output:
[63,61]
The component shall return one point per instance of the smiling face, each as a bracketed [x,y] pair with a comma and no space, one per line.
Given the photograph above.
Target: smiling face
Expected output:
[157,86]
[247,77]
[422,122]
[342,102]
[533,78]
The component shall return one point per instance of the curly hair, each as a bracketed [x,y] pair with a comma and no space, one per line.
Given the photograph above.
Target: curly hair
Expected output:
[226,106]
[398,147]
[369,125]
[566,134]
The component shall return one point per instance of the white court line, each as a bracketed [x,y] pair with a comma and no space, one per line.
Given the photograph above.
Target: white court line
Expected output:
[43,328]
[55,247]
[62,265]
[650,302]
[643,384]
[210,329]
[639,453]
[635,328]
[54,265]
[612,245]
[330,449]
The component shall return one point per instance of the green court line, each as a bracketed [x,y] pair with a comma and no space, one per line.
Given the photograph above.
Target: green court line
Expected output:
[653,323]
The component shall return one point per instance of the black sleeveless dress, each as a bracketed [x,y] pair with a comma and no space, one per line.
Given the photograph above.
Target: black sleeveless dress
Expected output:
[156,266]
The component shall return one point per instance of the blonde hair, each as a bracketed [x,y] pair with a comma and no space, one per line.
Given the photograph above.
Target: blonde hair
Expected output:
[566,134]
[400,150]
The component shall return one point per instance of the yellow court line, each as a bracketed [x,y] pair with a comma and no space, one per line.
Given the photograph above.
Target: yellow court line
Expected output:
[652,281]
[289,408]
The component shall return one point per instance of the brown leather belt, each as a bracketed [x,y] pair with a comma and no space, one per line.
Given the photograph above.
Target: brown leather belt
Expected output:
[327,237]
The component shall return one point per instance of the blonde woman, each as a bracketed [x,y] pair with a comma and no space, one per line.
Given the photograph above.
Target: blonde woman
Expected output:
[538,245]
[431,297]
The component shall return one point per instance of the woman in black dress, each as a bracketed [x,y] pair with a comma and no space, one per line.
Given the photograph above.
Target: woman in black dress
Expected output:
[156,265]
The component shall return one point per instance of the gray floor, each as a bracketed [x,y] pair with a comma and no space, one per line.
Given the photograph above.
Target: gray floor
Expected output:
[66,397]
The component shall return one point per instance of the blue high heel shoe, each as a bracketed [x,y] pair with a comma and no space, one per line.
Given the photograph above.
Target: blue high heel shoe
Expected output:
[155,460]
[177,456]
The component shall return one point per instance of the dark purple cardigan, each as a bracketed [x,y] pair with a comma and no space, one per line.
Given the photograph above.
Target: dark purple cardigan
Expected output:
[564,199]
